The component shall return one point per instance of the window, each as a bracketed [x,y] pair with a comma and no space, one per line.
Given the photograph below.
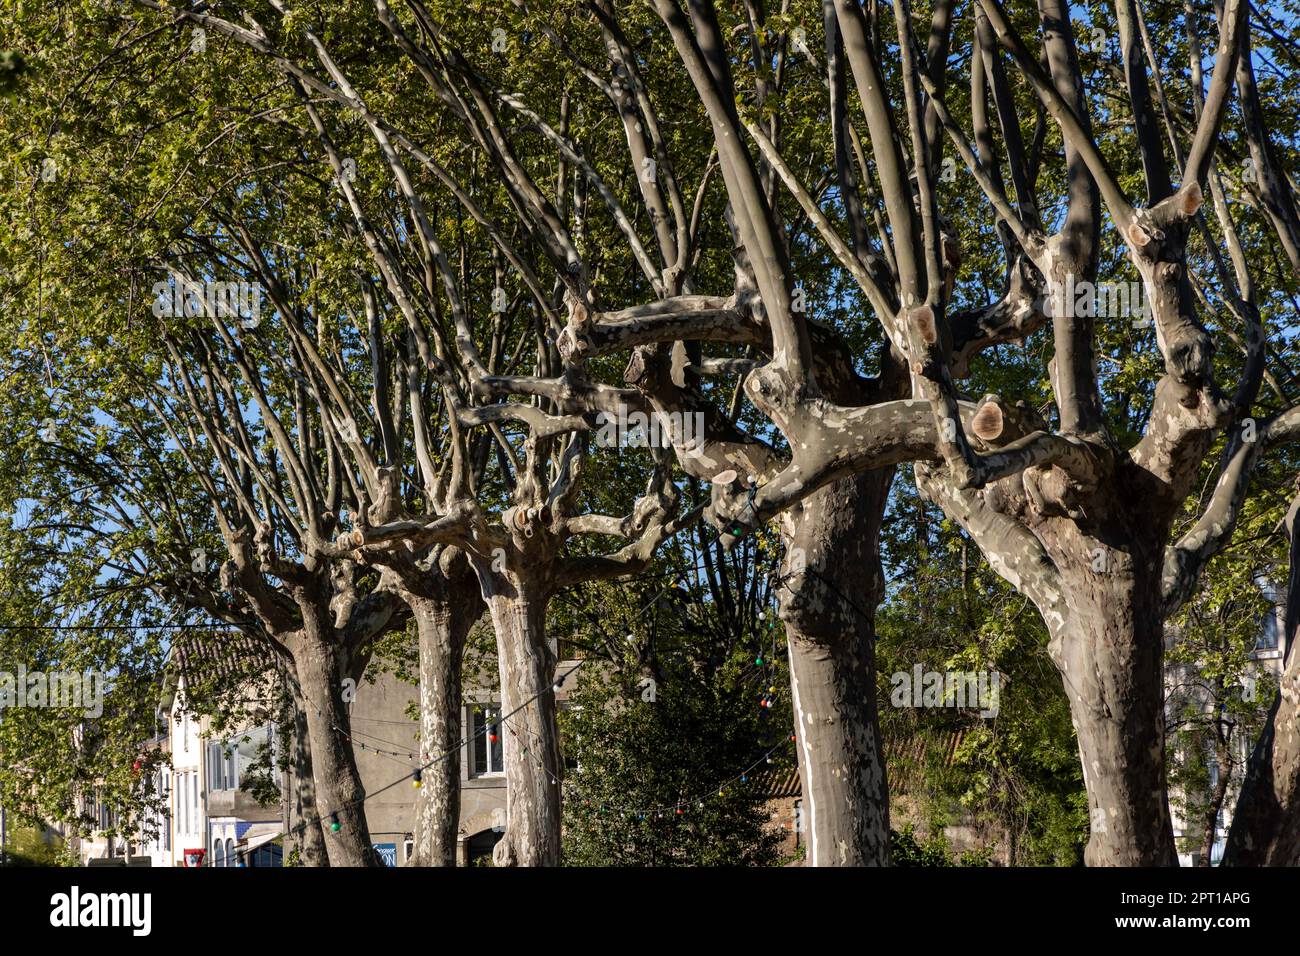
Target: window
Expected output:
[268,854]
[230,853]
[1271,629]
[223,772]
[408,848]
[218,853]
[798,822]
[485,752]
[244,752]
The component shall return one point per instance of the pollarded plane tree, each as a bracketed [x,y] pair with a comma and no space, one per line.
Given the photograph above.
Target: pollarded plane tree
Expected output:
[360,372]
[299,411]
[119,534]
[520,552]
[173,442]
[1080,538]
[276,488]
[1090,538]
[115,526]
[235,441]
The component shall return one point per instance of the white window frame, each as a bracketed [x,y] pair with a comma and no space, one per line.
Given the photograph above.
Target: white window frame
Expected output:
[481,712]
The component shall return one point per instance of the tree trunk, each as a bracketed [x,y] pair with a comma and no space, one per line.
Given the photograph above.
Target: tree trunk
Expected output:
[1210,822]
[831,584]
[304,819]
[1110,654]
[442,625]
[1265,827]
[528,729]
[338,789]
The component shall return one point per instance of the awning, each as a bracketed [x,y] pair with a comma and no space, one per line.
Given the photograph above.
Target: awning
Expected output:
[258,834]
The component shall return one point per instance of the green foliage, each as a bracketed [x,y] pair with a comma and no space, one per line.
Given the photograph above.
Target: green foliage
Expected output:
[906,850]
[1015,776]
[30,846]
[1220,684]
[659,783]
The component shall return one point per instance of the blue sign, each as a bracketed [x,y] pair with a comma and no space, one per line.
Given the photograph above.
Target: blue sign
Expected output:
[387,853]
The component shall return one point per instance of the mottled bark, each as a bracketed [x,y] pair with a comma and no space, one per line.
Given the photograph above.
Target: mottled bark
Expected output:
[1110,655]
[442,624]
[1092,563]
[528,728]
[831,584]
[304,816]
[338,789]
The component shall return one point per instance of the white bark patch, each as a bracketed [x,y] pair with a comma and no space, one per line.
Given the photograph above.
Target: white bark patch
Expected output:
[810,820]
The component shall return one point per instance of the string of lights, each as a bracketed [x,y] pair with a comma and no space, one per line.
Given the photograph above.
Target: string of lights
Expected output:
[677,808]
[417,774]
